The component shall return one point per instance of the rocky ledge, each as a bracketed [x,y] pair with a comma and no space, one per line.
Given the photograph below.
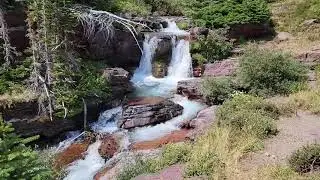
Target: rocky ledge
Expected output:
[148,111]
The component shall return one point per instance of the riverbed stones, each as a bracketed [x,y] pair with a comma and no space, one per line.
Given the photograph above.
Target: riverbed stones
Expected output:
[148,111]
[190,88]
[108,147]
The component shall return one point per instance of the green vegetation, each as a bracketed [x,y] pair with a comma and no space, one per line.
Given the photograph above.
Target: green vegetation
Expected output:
[12,78]
[291,18]
[306,159]
[171,154]
[17,160]
[217,90]
[216,153]
[248,114]
[222,13]
[265,72]
[84,83]
[215,46]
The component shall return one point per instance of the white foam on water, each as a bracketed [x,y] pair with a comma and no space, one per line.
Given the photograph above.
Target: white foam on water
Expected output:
[107,122]
[85,169]
[191,108]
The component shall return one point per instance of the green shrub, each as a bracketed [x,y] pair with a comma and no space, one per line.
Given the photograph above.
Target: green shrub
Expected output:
[216,90]
[86,83]
[267,73]
[306,159]
[17,160]
[222,13]
[166,7]
[248,114]
[216,46]
[12,78]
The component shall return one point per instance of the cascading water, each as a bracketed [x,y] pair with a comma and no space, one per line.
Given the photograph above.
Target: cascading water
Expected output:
[180,68]
[145,67]
[181,63]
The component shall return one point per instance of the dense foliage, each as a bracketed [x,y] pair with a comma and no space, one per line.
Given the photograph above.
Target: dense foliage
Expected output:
[217,90]
[266,72]
[306,159]
[221,13]
[13,78]
[248,114]
[17,161]
[215,46]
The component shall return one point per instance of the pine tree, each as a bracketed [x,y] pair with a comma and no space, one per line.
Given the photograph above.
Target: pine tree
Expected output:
[17,161]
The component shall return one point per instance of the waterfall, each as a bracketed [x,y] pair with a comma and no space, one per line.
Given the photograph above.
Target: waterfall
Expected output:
[181,62]
[85,169]
[145,67]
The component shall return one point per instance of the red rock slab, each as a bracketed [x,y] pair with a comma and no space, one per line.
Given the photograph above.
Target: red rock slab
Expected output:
[174,172]
[101,173]
[145,100]
[174,137]
[109,146]
[72,153]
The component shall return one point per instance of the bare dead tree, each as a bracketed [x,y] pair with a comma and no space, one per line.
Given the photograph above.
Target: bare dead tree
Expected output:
[102,22]
[9,52]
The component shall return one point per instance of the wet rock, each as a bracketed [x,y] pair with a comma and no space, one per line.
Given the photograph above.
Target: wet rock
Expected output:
[159,70]
[283,36]
[119,80]
[190,88]
[148,111]
[72,153]
[173,137]
[221,68]
[108,147]
[201,123]
[198,71]
[198,31]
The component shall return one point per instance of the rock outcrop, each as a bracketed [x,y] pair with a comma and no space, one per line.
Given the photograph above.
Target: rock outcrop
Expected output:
[201,123]
[173,137]
[119,80]
[249,31]
[221,68]
[190,88]
[148,111]
[310,58]
[72,153]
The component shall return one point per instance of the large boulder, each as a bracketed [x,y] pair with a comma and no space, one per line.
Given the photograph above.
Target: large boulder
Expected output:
[226,67]
[190,88]
[119,80]
[148,111]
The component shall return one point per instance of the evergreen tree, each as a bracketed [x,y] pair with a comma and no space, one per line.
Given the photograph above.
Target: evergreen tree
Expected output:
[17,161]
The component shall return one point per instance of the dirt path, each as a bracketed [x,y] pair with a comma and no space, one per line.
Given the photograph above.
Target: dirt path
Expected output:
[294,133]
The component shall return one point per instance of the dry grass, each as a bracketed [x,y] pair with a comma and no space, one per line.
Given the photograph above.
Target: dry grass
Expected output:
[6,100]
[288,16]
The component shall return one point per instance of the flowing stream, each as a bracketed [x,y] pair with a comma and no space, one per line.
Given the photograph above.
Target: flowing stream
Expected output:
[180,68]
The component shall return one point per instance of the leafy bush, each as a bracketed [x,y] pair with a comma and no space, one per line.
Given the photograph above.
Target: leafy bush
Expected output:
[166,7]
[73,85]
[306,159]
[217,90]
[11,79]
[17,160]
[216,46]
[222,13]
[248,114]
[266,72]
